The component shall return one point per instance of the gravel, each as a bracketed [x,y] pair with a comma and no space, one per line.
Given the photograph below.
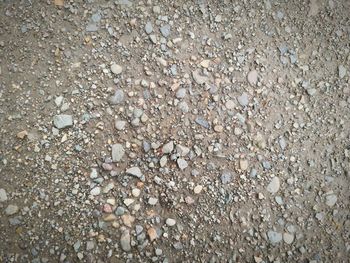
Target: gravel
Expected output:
[117,152]
[3,195]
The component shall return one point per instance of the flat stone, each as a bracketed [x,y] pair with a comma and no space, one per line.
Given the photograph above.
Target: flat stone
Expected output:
[226,177]
[170,222]
[136,172]
[197,189]
[128,201]
[135,192]
[148,27]
[288,238]
[92,27]
[11,210]
[182,150]
[117,98]
[183,106]
[62,121]
[128,220]
[331,200]
[218,128]
[152,201]
[125,240]
[274,185]
[168,147]
[152,234]
[117,152]
[252,77]
[205,63]
[243,164]
[165,30]
[230,104]
[120,125]
[163,161]
[198,77]
[95,191]
[116,69]
[202,122]
[274,237]
[181,93]
[182,163]
[341,71]
[3,195]
[243,99]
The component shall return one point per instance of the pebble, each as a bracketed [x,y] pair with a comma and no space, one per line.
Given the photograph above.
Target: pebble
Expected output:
[205,63]
[117,98]
[199,78]
[252,77]
[152,234]
[202,122]
[341,71]
[165,30]
[182,164]
[135,192]
[22,134]
[198,189]
[119,211]
[62,121]
[230,104]
[148,27]
[181,93]
[243,99]
[128,201]
[163,161]
[11,210]
[128,220]
[170,222]
[182,150]
[117,152]
[120,125]
[158,252]
[3,195]
[116,69]
[95,191]
[274,237]
[218,128]
[226,177]
[331,200]
[168,147]
[125,240]
[135,171]
[288,238]
[152,201]
[274,185]
[183,106]
[243,164]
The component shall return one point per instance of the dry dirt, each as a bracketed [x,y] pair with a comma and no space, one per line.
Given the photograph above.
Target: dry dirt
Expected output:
[174,131]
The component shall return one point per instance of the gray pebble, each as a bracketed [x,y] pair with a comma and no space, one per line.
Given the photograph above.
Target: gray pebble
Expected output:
[182,163]
[125,240]
[274,185]
[136,172]
[117,152]
[181,93]
[3,195]
[119,211]
[11,210]
[226,177]
[165,30]
[62,121]
[274,237]
[148,27]
[202,122]
[168,147]
[117,98]
[243,99]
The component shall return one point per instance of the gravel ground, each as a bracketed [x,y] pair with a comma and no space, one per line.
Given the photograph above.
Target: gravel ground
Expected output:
[174,131]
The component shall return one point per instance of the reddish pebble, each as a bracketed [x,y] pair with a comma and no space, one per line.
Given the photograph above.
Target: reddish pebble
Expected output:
[107,208]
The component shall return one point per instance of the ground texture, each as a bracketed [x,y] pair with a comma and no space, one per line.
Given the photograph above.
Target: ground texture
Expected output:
[174,131]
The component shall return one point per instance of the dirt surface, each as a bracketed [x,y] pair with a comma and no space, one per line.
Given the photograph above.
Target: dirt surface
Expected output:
[174,131]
